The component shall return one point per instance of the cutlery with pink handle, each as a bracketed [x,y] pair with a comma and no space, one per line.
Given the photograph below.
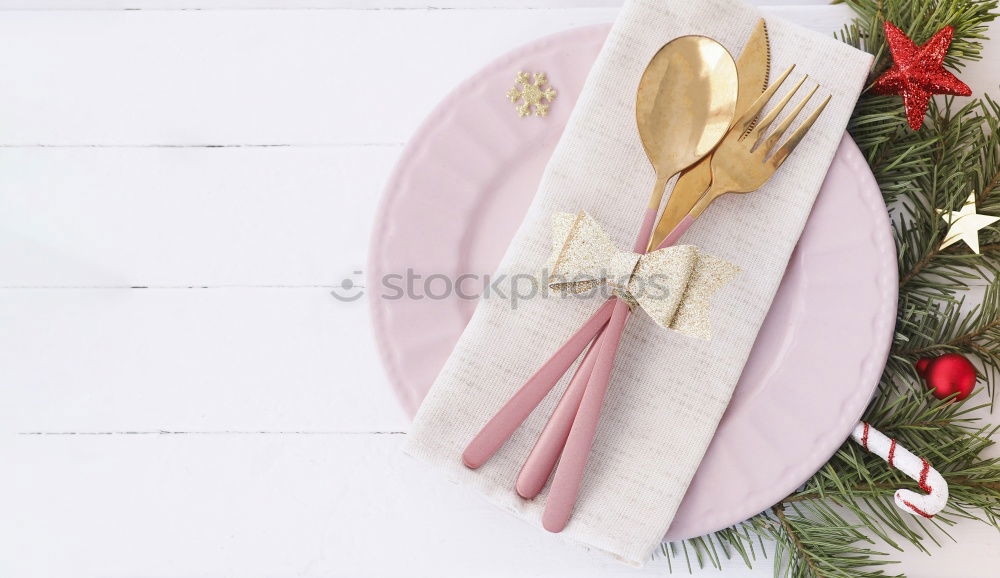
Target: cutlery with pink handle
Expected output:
[741,164]
[678,125]
[753,68]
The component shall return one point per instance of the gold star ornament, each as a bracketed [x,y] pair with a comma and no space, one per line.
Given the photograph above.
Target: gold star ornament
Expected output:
[531,94]
[964,224]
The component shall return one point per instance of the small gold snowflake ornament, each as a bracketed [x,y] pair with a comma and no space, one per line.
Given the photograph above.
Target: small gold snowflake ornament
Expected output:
[964,224]
[531,91]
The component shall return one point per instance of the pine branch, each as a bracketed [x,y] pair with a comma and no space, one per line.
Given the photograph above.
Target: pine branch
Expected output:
[959,342]
[801,551]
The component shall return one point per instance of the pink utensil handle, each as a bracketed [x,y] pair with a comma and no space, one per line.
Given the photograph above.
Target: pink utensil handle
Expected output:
[502,425]
[675,234]
[566,486]
[573,463]
[542,459]
[513,413]
[646,228]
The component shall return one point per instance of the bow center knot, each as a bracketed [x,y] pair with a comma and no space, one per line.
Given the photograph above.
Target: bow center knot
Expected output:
[621,269]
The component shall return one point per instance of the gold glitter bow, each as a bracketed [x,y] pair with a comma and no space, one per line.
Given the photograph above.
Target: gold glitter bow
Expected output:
[673,285]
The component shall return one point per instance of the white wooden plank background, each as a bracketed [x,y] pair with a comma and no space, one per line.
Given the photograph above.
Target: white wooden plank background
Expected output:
[179,190]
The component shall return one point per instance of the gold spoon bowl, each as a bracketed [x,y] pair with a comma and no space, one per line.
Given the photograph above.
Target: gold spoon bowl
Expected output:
[685,104]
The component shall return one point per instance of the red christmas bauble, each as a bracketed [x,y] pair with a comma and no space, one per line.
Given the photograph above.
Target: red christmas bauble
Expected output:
[948,374]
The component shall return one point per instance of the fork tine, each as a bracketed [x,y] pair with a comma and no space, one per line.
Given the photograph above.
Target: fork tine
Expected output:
[758,132]
[775,136]
[786,149]
[758,104]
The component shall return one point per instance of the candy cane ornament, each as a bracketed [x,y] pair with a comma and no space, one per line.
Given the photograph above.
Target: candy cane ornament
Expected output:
[897,456]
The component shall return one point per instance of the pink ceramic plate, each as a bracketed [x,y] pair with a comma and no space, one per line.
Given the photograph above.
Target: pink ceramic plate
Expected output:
[460,191]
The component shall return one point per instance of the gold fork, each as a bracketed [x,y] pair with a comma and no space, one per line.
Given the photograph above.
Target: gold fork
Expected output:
[743,161]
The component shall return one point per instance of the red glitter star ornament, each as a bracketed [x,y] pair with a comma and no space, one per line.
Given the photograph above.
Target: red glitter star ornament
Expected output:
[917,73]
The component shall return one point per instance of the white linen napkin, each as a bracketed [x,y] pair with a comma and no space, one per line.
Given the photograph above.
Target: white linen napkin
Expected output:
[668,390]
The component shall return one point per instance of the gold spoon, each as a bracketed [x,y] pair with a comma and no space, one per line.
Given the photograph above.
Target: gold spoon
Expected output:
[685,103]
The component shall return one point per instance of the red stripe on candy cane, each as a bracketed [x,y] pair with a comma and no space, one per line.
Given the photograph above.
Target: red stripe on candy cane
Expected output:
[923,476]
[918,510]
[892,453]
[864,438]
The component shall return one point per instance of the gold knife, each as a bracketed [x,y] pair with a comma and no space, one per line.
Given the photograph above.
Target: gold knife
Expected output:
[754,68]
